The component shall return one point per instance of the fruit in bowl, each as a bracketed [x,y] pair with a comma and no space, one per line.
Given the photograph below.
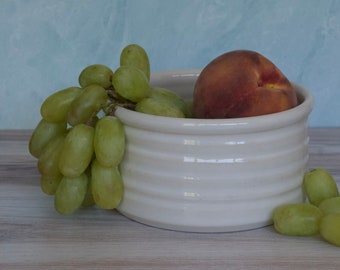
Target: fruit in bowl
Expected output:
[241,83]
[182,172]
[212,175]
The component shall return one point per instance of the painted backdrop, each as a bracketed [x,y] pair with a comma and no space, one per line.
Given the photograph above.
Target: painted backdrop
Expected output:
[46,43]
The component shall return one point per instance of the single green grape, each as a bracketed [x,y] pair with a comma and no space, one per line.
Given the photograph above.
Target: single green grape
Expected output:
[50,183]
[330,206]
[42,134]
[131,83]
[56,106]
[49,159]
[77,151]
[165,95]
[299,219]
[109,141]
[88,199]
[70,194]
[96,74]
[319,185]
[106,185]
[134,55]
[159,108]
[86,105]
[329,228]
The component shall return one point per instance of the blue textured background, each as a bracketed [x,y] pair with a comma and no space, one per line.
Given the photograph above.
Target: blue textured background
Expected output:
[46,43]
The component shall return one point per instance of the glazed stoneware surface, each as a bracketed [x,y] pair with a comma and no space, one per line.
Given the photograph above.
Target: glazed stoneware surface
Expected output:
[212,175]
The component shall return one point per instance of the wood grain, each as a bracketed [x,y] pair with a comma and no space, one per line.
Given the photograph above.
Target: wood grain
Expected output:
[34,236]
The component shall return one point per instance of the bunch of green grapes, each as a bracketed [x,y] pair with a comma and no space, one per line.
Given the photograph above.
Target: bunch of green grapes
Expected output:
[320,215]
[131,83]
[79,142]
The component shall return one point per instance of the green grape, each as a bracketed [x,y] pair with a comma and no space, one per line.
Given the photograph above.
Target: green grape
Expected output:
[330,206]
[96,74]
[319,185]
[109,141]
[49,159]
[77,151]
[50,183]
[56,106]
[42,134]
[300,219]
[135,55]
[107,185]
[70,194]
[87,104]
[157,107]
[329,229]
[170,97]
[131,83]
[88,199]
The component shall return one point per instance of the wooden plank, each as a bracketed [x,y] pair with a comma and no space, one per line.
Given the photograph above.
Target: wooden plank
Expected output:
[34,236]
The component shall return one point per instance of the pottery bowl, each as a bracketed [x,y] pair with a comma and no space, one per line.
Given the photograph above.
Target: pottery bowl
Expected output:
[212,175]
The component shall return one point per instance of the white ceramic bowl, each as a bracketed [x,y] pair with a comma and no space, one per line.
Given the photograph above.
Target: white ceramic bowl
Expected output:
[212,175]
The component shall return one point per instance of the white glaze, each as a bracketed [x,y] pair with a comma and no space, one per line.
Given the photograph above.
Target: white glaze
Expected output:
[212,175]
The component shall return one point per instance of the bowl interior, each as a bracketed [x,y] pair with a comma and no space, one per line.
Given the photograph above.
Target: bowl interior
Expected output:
[183,82]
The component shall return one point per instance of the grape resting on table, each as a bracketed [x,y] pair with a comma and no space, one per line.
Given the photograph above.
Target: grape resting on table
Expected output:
[79,144]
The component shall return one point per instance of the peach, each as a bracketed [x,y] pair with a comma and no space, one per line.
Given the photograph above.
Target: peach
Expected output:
[241,83]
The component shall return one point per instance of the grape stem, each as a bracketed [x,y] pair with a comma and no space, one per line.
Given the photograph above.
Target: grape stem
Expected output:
[114,101]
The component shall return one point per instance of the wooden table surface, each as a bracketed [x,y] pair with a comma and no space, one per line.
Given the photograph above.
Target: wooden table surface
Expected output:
[34,236]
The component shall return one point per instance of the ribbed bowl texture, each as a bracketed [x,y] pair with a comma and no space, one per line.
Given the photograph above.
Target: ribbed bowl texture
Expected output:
[212,175]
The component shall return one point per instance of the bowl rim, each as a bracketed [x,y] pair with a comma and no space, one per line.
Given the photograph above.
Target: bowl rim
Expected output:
[215,126]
